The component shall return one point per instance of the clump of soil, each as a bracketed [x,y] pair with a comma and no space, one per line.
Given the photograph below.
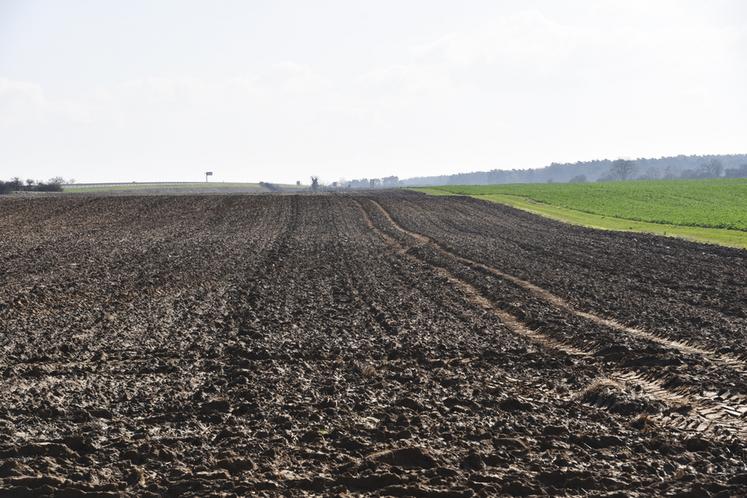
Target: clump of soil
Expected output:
[618,398]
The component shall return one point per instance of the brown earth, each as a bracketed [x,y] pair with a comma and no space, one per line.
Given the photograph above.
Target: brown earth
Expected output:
[391,344]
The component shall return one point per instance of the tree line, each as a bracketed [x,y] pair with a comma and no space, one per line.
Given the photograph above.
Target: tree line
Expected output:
[16,185]
[664,168]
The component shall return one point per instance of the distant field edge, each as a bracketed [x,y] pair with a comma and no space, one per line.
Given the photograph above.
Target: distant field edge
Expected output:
[171,186]
[718,236]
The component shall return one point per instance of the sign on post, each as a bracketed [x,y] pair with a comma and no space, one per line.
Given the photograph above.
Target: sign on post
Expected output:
[208,173]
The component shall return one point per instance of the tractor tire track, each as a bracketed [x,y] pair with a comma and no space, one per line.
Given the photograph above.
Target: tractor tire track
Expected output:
[684,347]
[708,414]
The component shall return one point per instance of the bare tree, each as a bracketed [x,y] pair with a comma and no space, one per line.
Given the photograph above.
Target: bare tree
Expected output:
[390,181]
[622,169]
[650,174]
[15,183]
[314,183]
[740,172]
[711,169]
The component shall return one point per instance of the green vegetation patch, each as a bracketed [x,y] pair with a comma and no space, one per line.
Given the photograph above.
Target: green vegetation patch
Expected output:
[713,211]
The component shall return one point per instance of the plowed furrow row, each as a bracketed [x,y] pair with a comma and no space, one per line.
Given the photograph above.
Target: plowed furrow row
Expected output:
[706,414]
[476,297]
[713,356]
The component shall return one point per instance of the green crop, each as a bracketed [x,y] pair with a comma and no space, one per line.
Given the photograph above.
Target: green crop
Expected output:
[713,211]
[698,203]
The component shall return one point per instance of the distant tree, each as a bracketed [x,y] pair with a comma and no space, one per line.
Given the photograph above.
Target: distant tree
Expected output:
[595,170]
[390,181]
[314,183]
[689,174]
[374,183]
[650,174]
[359,183]
[578,179]
[47,187]
[740,172]
[622,169]
[15,184]
[711,169]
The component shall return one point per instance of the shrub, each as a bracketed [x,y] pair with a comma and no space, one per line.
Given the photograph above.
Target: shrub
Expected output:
[16,185]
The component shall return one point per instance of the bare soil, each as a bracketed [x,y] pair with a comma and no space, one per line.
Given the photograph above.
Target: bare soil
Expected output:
[391,345]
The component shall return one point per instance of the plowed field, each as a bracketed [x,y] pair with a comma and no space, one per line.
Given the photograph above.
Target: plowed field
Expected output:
[393,344]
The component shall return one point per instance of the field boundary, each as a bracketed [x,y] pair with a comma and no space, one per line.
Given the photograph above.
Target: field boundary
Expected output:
[718,236]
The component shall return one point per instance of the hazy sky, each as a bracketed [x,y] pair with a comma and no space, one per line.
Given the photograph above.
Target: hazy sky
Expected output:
[277,90]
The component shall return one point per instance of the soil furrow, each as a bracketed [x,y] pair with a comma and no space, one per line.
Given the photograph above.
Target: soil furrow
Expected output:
[715,357]
[681,291]
[728,416]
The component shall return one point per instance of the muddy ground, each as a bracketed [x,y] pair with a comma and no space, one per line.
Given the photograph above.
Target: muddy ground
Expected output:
[343,345]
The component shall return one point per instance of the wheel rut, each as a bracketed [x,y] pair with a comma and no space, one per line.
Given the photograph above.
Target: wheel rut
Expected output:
[717,358]
[719,413]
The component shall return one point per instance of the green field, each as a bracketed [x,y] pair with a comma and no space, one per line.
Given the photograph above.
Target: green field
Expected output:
[712,211]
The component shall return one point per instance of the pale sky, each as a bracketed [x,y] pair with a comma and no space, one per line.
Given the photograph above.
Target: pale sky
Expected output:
[162,90]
